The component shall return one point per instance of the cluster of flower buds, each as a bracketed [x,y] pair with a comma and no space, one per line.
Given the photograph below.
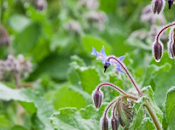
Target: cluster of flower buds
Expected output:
[122,112]
[157,48]
[4,38]
[12,66]
[157,6]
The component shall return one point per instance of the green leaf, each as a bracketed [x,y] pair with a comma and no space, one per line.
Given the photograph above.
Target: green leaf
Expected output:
[138,114]
[90,41]
[54,65]
[147,124]
[59,99]
[4,122]
[17,127]
[70,118]
[139,120]
[18,22]
[25,41]
[170,108]
[108,6]
[24,95]
[149,92]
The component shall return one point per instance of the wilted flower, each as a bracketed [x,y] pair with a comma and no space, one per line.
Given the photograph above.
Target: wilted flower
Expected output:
[102,56]
[157,6]
[97,98]
[4,38]
[157,50]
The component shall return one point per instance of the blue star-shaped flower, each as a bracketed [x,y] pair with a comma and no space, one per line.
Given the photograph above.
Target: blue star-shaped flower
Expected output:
[102,56]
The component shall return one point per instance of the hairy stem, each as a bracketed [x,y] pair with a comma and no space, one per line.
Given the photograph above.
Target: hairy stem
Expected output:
[153,115]
[18,86]
[118,89]
[164,28]
[127,72]
[109,105]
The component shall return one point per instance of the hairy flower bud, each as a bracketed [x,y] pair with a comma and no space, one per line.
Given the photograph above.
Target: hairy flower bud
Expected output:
[157,50]
[104,123]
[171,49]
[157,6]
[4,38]
[124,112]
[97,98]
[171,43]
[170,2]
[114,123]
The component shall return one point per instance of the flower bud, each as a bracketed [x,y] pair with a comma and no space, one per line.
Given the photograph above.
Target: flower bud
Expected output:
[170,2]
[97,98]
[124,111]
[114,123]
[104,123]
[157,50]
[171,50]
[157,6]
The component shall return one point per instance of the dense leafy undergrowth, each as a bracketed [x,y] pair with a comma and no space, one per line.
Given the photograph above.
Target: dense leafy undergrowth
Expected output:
[57,94]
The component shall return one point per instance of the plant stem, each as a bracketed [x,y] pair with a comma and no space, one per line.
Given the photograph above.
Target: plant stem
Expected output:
[127,72]
[107,108]
[118,89]
[153,115]
[19,114]
[167,26]
[114,110]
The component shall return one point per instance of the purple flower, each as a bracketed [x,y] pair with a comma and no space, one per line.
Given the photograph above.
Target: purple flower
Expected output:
[102,56]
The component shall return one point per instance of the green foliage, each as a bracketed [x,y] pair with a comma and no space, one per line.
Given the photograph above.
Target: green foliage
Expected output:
[169,105]
[71,118]
[58,92]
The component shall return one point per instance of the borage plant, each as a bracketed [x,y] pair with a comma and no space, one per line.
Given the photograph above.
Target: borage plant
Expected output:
[125,108]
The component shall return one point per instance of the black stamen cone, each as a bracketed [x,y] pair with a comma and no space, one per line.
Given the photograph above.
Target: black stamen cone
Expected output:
[106,65]
[105,68]
[170,2]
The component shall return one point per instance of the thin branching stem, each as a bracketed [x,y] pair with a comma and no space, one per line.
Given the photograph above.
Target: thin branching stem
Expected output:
[164,28]
[127,72]
[18,86]
[118,89]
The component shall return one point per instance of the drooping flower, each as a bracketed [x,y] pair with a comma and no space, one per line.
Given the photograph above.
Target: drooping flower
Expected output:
[102,56]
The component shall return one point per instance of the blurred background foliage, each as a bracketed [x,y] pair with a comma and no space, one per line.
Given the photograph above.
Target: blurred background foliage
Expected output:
[57,36]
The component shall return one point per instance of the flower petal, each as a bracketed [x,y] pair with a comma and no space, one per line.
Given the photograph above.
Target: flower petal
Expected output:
[120,70]
[103,52]
[121,58]
[94,52]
